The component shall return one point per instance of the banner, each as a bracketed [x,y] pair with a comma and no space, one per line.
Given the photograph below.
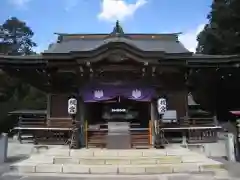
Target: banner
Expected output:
[100,92]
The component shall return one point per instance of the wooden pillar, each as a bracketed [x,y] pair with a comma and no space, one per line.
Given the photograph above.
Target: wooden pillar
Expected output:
[79,125]
[153,119]
[20,131]
[81,108]
[75,133]
[75,142]
[186,118]
[186,94]
[48,107]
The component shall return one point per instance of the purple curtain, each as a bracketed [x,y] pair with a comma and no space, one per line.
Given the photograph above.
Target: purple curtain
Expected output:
[99,92]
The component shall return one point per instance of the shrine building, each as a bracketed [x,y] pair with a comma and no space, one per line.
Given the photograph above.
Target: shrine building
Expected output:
[117,79]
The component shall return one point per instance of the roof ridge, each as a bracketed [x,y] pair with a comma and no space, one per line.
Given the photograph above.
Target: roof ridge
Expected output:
[79,34]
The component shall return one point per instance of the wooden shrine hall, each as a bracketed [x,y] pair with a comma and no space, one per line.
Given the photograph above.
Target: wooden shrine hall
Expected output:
[117,79]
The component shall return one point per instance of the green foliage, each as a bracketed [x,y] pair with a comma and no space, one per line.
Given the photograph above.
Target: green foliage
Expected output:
[7,86]
[222,34]
[17,35]
[16,39]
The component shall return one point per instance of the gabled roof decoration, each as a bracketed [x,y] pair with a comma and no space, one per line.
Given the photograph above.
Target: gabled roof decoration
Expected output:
[117,30]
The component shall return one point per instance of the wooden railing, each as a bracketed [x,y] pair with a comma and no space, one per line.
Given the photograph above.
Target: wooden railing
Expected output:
[58,130]
[41,130]
[59,122]
[206,135]
[192,121]
[25,124]
[32,122]
[202,136]
[197,130]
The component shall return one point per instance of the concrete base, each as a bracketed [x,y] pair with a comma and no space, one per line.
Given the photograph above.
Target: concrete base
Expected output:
[98,161]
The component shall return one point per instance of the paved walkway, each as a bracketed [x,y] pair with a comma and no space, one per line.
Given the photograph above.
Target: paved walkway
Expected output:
[160,177]
[21,151]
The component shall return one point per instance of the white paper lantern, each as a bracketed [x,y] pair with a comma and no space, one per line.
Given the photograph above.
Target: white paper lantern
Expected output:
[72,106]
[162,102]
[161,105]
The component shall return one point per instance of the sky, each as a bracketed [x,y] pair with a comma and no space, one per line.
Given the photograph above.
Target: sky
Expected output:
[46,17]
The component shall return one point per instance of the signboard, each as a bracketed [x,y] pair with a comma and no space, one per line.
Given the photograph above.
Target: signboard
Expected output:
[161,106]
[118,110]
[72,106]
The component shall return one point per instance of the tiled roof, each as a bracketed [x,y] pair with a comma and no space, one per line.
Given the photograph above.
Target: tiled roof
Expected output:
[158,44]
[167,43]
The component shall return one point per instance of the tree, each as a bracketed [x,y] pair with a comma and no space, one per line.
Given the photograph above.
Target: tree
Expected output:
[222,34]
[16,39]
[17,36]
[7,86]
[4,46]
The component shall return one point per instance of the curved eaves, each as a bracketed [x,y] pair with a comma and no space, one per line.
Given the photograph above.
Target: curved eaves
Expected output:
[113,46]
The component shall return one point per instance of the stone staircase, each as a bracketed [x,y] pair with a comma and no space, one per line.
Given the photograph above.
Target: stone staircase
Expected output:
[102,161]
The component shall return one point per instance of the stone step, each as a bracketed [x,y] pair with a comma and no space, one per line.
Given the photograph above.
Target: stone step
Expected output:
[114,169]
[117,153]
[102,161]
[117,161]
[129,160]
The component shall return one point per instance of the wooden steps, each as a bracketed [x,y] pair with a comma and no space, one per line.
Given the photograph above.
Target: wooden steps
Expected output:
[139,139]
[96,139]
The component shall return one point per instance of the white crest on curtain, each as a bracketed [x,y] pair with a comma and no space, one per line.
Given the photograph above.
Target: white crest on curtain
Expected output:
[136,93]
[98,94]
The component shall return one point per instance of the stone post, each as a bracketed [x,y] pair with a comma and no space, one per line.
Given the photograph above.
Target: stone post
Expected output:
[230,149]
[184,140]
[3,147]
